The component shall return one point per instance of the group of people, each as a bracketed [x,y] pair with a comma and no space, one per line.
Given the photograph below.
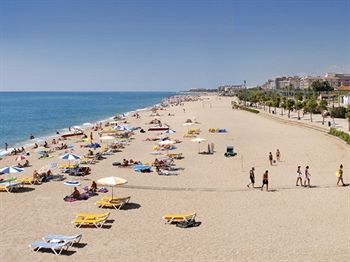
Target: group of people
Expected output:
[16,151]
[77,195]
[300,176]
[42,177]
[278,157]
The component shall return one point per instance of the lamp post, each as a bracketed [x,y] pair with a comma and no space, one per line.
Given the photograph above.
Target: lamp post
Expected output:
[246,95]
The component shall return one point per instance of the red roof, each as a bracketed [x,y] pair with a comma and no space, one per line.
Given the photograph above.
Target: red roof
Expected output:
[343,88]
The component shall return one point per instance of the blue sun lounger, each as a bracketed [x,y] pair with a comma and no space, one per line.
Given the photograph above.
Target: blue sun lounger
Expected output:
[60,238]
[56,247]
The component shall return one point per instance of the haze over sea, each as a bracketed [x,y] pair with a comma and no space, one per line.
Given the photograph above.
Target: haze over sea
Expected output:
[42,113]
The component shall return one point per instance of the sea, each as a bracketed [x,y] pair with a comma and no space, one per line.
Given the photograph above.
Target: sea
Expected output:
[43,113]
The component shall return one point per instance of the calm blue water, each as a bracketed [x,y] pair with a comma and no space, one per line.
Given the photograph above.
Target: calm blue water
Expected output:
[42,113]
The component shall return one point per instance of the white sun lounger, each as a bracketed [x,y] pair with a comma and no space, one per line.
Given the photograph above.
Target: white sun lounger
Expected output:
[55,247]
[59,238]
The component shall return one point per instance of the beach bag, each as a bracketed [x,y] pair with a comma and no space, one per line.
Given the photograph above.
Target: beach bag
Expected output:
[337,173]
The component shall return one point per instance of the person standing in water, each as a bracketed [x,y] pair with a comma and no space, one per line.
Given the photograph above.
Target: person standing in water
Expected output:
[307,177]
[340,175]
[252,177]
[299,176]
[265,181]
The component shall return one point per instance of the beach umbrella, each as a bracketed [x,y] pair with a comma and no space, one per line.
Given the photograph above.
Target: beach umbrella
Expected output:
[198,140]
[10,170]
[121,128]
[112,182]
[21,158]
[69,157]
[169,131]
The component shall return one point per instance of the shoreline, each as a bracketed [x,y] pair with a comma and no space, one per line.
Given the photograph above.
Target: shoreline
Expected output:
[30,142]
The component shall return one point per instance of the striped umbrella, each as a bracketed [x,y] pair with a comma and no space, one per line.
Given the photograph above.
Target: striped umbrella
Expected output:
[69,156]
[10,170]
[21,158]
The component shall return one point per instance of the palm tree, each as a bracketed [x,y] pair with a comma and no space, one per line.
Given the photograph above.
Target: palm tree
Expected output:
[311,105]
[298,106]
[289,105]
[269,103]
[322,106]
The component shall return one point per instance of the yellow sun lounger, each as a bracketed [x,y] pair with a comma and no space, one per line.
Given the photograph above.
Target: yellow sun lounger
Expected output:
[116,203]
[97,222]
[170,218]
[29,180]
[92,215]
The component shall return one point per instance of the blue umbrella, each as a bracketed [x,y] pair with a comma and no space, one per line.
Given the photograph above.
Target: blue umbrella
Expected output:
[69,156]
[10,170]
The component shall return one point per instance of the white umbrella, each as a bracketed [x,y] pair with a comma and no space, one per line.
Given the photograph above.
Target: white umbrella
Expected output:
[111,181]
[198,140]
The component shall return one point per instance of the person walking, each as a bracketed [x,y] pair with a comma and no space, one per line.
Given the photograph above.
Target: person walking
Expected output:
[307,177]
[339,174]
[252,177]
[271,158]
[278,155]
[265,181]
[299,176]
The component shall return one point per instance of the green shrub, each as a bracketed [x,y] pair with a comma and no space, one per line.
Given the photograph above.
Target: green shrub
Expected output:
[250,109]
[342,135]
[338,112]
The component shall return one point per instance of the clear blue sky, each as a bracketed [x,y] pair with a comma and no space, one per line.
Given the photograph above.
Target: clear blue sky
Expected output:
[168,45]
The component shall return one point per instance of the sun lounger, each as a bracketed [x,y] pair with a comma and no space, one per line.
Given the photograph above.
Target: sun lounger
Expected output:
[92,215]
[57,248]
[29,180]
[60,238]
[174,218]
[9,186]
[90,221]
[116,203]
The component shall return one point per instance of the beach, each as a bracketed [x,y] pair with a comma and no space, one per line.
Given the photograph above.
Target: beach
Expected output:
[288,223]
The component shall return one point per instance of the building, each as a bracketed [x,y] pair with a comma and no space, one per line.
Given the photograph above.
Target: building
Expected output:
[344,94]
[337,80]
[282,82]
[305,82]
